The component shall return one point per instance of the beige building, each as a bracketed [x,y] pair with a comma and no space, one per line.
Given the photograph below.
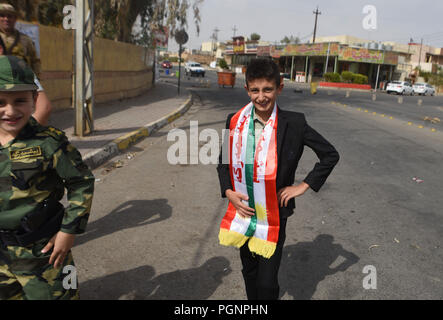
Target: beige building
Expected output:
[216,48]
[427,58]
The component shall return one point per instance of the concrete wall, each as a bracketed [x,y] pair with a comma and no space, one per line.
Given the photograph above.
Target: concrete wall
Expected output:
[203,59]
[121,70]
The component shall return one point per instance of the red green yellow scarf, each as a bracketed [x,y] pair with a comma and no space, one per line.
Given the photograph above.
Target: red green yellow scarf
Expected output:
[253,172]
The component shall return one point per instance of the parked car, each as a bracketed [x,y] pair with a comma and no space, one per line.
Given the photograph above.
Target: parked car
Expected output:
[166,64]
[194,68]
[423,89]
[400,87]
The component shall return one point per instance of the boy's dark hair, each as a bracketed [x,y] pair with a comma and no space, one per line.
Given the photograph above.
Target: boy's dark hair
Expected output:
[263,68]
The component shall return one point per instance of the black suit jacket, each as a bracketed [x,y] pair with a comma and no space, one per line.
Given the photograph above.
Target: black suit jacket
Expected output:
[293,134]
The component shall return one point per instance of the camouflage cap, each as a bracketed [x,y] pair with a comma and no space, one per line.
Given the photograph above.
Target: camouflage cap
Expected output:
[5,7]
[16,75]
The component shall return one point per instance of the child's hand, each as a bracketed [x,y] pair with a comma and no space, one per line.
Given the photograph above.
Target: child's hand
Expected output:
[286,194]
[237,199]
[62,243]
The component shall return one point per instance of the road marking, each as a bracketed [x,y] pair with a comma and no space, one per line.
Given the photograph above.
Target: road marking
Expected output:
[384,115]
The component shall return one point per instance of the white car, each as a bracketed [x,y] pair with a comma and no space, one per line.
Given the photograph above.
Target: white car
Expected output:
[423,89]
[400,87]
[194,68]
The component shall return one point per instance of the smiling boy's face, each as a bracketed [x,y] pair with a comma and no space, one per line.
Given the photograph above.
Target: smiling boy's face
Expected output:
[15,110]
[263,94]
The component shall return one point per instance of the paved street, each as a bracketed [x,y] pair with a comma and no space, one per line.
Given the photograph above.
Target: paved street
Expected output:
[153,232]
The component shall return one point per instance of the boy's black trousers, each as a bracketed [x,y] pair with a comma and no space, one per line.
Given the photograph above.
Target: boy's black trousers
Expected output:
[261,274]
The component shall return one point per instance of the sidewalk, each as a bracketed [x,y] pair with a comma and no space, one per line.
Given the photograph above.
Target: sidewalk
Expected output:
[120,124]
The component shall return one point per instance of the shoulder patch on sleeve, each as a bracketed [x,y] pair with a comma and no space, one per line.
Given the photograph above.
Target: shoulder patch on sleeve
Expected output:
[54,133]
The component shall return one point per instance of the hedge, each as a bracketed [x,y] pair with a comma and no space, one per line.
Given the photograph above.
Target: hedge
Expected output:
[332,77]
[359,79]
[347,77]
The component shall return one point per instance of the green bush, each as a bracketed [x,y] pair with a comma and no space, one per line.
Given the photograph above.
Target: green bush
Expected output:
[359,79]
[347,76]
[223,64]
[332,77]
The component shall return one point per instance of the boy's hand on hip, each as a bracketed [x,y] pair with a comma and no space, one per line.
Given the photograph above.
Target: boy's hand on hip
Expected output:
[62,243]
[286,194]
[237,199]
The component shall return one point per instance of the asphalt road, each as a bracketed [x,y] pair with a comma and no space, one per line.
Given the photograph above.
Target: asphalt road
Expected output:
[153,233]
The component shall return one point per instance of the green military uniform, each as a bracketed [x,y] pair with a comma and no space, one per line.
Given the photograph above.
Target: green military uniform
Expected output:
[38,164]
[20,45]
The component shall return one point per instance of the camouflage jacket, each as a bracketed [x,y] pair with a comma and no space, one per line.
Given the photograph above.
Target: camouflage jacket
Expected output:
[22,46]
[40,162]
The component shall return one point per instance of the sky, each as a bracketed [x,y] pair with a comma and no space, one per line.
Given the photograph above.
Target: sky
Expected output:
[274,19]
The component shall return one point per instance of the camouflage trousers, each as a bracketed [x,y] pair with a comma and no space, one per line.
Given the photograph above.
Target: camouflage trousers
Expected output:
[25,274]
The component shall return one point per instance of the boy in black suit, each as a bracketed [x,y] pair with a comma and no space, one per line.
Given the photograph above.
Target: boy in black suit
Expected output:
[266,144]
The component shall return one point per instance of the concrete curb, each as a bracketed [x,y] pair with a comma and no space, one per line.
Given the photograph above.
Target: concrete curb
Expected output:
[97,157]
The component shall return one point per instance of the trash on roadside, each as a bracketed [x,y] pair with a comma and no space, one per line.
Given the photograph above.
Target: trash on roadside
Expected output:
[130,156]
[413,245]
[417,180]
[396,240]
[98,180]
[118,164]
[432,120]
[373,246]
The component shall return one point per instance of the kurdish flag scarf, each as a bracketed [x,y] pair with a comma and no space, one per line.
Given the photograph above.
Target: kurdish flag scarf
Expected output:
[253,172]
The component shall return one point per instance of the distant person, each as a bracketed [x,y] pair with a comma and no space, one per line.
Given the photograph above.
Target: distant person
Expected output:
[37,164]
[266,144]
[13,42]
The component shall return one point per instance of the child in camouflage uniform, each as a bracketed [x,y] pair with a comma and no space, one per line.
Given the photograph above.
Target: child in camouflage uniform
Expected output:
[36,165]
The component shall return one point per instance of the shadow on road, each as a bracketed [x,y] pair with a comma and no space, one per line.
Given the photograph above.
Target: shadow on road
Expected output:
[305,264]
[130,214]
[141,284]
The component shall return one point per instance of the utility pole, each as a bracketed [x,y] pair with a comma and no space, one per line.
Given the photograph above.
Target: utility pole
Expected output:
[215,38]
[316,12]
[84,68]
[215,34]
[235,30]
[419,56]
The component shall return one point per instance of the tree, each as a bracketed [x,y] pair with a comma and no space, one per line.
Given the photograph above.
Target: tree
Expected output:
[255,37]
[51,12]
[115,19]
[291,39]
[285,40]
